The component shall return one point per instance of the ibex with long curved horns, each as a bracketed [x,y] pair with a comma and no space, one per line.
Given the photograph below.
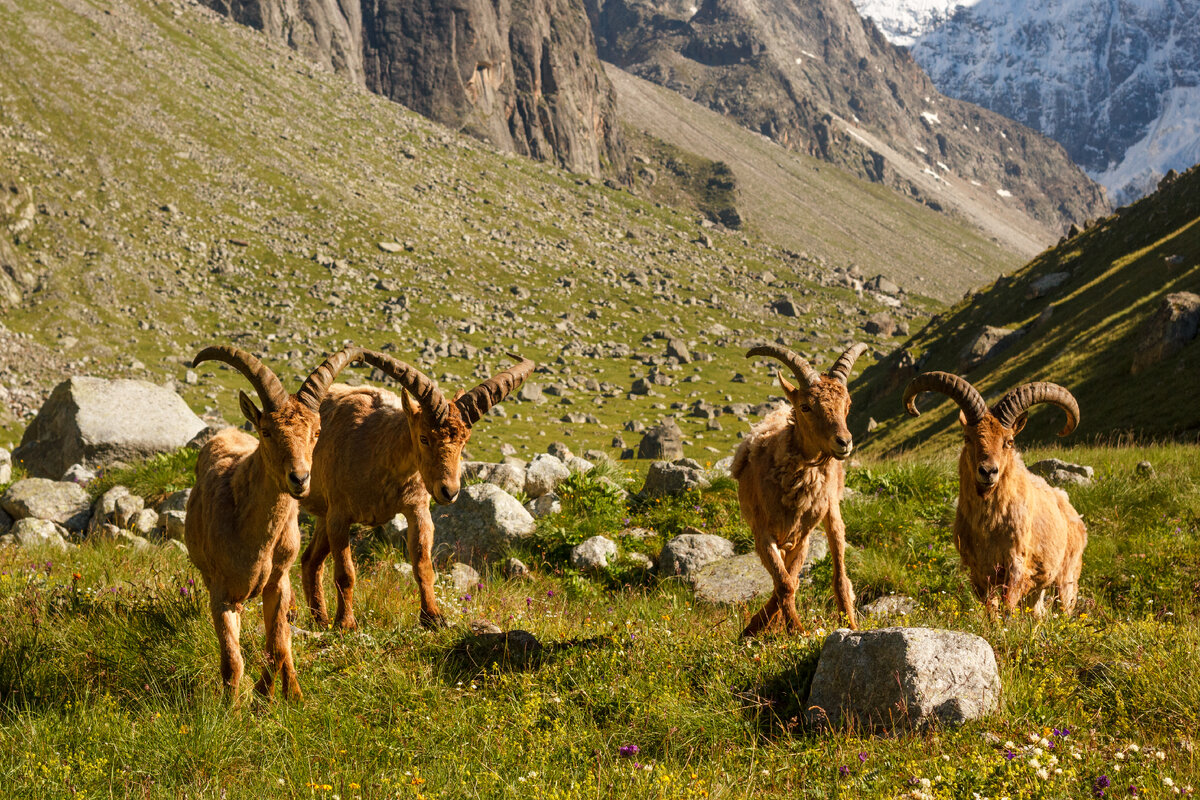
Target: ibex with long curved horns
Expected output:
[241,530]
[790,479]
[383,455]
[1015,533]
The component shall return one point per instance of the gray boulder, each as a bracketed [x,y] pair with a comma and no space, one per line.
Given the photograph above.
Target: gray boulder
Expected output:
[95,422]
[593,554]
[145,522]
[65,503]
[5,465]
[395,530]
[663,441]
[685,554]
[673,478]
[104,510]
[1063,473]
[30,532]
[463,577]
[78,473]
[173,524]
[176,501]
[515,568]
[1176,322]
[743,578]
[988,343]
[543,474]
[577,464]
[508,477]
[544,506]
[128,507]
[896,678]
[481,524]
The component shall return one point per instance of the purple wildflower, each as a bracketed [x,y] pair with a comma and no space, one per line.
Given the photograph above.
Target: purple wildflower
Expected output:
[843,770]
[1009,755]
[1100,785]
[628,750]
[466,598]
[550,593]
[862,758]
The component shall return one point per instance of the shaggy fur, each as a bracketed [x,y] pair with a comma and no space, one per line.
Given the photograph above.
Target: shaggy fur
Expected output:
[790,479]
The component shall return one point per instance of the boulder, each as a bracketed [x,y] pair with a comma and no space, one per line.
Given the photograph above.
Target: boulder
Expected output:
[685,554]
[987,344]
[559,450]
[673,478]
[145,522]
[896,678]
[543,474]
[176,501]
[128,507]
[5,464]
[104,510]
[515,568]
[481,524]
[640,561]
[65,503]
[891,605]
[508,477]
[1045,283]
[742,578]
[544,506]
[463,577]
[1063,473]
[663,441]
[30,532]
[593,554]
[95,422]
[1174,324]
[880,324]
[78,473]
[130,540]
[395,530]
[173,524]
[577,464]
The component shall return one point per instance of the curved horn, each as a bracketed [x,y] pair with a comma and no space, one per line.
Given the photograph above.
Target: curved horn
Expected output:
[954,387]
[312,392]
[840,370]
[266,384]
[475,403]
[1009,407]
[413,380]
[800,368]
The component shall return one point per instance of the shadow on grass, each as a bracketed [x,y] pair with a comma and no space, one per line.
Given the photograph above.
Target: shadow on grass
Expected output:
[509,651]
[776,706]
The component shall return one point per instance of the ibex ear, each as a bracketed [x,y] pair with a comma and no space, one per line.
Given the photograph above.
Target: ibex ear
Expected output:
[962,418]
[457,395]
[1019,425]
[411,407]
[250,410]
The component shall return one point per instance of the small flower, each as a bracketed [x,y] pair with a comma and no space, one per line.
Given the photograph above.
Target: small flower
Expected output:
[1043,774]
[862,758]
[1009,755]
[843,770]
[628,750]
[550,593]
[1133,748]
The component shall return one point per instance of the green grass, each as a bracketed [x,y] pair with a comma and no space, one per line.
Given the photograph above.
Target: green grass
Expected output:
[109,685]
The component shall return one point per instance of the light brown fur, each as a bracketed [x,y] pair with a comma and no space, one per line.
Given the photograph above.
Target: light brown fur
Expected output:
[242,535]
[1016,535]
[790,479]
[371,464]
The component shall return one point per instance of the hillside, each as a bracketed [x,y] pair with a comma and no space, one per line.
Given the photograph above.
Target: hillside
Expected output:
[801,203]
[179,179]
[1077,316]
[818,78]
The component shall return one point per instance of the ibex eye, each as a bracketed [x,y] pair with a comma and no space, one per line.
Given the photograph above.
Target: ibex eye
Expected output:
[425,440]
[806,408]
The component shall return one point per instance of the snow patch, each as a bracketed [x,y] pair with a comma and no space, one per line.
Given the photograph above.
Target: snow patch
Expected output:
[1004,192]
[943,166]
[930,118]
[1172,142]
[920,149]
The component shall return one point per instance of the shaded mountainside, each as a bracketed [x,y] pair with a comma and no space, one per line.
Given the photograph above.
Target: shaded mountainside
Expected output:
[818,78]
[521,74]
[1081,314]
[192,181]
[1118,84]
[833,217]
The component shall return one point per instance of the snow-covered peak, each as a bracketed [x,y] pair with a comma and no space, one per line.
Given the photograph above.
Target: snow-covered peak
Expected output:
[904,22]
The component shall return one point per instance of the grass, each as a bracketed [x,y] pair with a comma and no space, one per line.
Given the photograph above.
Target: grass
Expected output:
[109,687]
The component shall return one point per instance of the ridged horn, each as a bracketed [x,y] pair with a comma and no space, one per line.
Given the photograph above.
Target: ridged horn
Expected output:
[1017,400]
[312,392]
[840,370]
[954,387]
[414,381]
[266,384]
[475,403]
[799,367]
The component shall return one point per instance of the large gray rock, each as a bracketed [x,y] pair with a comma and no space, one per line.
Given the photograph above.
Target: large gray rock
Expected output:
[895,678]
[685,554]
[543,474]
[395,530]
[463,577]
[104,510]
[480,525]
[673,478]
[65,503]
[1063,473]
[95,422]
[742,578]
[30,532]
[987,344]
[176,501]
[1175,323]
[173,524]
[508,477]
[593,554]
[544,506]
[663,441]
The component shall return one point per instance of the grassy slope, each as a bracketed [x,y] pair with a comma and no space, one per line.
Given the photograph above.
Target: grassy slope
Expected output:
[1120,269]
[200,184]
[109,679]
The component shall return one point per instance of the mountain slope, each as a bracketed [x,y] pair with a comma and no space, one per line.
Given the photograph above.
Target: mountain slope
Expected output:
[1078,314]
[193,182]
[522,75]
[1118,84]
[817,78]
[833,217]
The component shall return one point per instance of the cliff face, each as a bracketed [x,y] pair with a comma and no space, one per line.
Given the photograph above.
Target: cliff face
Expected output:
[521,74]
[818,78]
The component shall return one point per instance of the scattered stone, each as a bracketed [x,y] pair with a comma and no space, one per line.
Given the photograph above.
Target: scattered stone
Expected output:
[678,349]
[688,552]
[480,627]
[1045,283]
[882,285]
[65,503]
[880,324]
[891,605]
[988,343]
[31,532]
[577,464]
[515,568]
[531,393]
[896,678]
[636,533]
[640,561]
[593,554]
[1174,324]
[1063,473]
[664,441]
[173,524]
[786,307]
[545,505]
[130,540]
[673,477]
[508,477]
[391,247]
[105,508]
[145,522]
[128,506]
[78,473]
[95,422]
[543,474]
[723,467]
[481,524]
[395,530]
[559,450]
[463,577]
[1145,469]
[176,501]
[742,578]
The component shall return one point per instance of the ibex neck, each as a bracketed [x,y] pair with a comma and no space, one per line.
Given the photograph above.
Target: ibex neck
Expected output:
[262,508]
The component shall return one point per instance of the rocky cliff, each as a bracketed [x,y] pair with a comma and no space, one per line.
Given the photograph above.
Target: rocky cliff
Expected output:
[521,74]
[818,78]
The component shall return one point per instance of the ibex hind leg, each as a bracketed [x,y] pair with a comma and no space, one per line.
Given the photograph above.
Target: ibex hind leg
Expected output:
[312,570]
